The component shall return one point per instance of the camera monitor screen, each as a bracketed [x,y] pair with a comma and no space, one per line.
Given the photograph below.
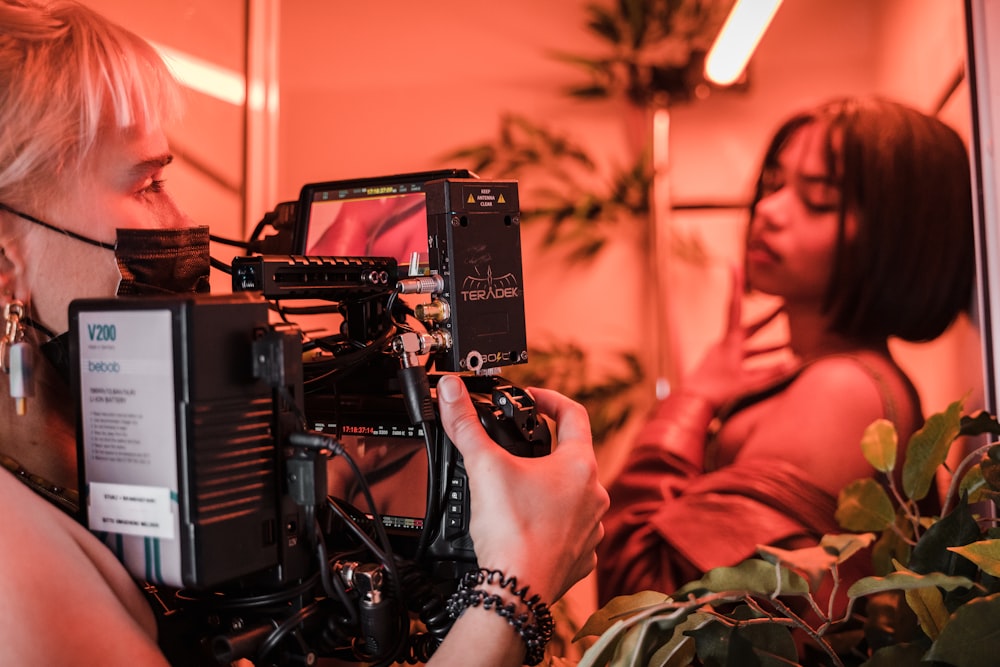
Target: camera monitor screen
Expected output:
[395,468]
[384,216]
[389,451]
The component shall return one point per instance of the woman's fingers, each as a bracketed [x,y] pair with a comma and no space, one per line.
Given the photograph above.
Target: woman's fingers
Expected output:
[735,299]
[758,324]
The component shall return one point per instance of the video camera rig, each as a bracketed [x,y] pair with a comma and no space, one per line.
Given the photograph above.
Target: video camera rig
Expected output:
[288,496]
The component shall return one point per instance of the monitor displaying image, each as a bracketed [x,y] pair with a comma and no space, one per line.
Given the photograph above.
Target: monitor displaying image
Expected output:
[384,216]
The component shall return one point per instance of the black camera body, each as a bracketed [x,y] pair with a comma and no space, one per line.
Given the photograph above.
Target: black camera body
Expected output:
[423,492]
[305,498]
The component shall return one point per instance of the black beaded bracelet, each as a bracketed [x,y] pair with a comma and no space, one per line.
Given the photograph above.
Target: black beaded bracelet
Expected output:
[536,635]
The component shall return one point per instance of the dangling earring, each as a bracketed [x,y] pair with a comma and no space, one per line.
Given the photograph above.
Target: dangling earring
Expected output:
[16,359]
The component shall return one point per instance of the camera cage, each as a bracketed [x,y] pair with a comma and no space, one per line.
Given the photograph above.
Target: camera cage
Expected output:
[328,577]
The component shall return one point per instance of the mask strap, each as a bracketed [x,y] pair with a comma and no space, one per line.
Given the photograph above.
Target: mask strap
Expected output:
[74,235]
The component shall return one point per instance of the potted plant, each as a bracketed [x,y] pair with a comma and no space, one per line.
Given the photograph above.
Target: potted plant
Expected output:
[935,598]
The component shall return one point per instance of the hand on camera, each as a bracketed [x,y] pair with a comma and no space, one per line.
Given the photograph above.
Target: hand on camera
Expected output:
[537,519]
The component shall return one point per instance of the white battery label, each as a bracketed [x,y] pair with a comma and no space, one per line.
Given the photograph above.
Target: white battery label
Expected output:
[130,510]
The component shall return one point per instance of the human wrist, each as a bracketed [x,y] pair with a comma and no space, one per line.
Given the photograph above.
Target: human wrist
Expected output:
[525,612]
[693,393]
[678,427]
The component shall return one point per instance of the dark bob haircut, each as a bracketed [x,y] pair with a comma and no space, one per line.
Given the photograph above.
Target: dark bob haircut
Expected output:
[910,269]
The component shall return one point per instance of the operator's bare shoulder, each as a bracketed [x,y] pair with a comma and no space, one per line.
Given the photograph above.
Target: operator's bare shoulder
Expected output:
[29,521]
[60,576]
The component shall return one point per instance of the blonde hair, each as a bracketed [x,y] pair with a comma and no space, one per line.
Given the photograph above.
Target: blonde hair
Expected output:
[67,75]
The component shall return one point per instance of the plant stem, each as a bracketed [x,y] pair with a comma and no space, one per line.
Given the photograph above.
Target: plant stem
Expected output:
[805,627]
[956,479]
[835,573]
[909,508]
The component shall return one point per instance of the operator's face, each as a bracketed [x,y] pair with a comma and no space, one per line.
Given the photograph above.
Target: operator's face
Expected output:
[121,186]
[793,233]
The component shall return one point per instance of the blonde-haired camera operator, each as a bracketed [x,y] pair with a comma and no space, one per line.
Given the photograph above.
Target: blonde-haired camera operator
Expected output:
[83,157]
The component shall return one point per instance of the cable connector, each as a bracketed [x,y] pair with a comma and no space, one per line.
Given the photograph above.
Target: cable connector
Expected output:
[316,441]
[409,345]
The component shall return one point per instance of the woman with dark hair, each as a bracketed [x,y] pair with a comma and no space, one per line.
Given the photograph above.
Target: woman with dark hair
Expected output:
[862,224]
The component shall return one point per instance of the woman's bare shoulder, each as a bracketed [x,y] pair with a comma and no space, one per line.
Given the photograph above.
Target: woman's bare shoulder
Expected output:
[817,422]
[871,374]
[835,385]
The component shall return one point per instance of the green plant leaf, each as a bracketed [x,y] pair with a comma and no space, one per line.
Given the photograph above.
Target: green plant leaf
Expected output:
[957,529]
[717,644]
[879,444]
[928,604]
[990,467]
[603,23]
[633,639]
[760,643]
[772,644]
[984,553]
[679,651]
[846,545]
[980,423]
[972,636]
[604,648]
[928,449]
[681,654]
[618,608]
[909,654]
[863,505]
[973,484]
[658,636]
[641,641]
[753,576]
[904,581]
[814,563]
[890,546]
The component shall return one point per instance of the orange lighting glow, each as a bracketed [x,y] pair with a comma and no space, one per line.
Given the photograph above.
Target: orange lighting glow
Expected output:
[737,40]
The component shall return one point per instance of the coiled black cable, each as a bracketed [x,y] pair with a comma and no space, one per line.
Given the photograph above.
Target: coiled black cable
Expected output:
[424,599]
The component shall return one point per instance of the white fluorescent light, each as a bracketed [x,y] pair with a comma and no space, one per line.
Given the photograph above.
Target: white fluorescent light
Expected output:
[737,40]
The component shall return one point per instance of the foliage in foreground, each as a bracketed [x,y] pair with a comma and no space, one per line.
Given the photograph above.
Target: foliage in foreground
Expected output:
[935,599]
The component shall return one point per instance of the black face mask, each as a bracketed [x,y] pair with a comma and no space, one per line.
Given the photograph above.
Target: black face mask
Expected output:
[163,261]
[151,262]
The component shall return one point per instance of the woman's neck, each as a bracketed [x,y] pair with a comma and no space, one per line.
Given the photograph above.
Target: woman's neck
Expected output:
[810,336]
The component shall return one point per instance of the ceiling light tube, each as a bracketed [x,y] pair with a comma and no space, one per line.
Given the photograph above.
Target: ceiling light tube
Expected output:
[737,40]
